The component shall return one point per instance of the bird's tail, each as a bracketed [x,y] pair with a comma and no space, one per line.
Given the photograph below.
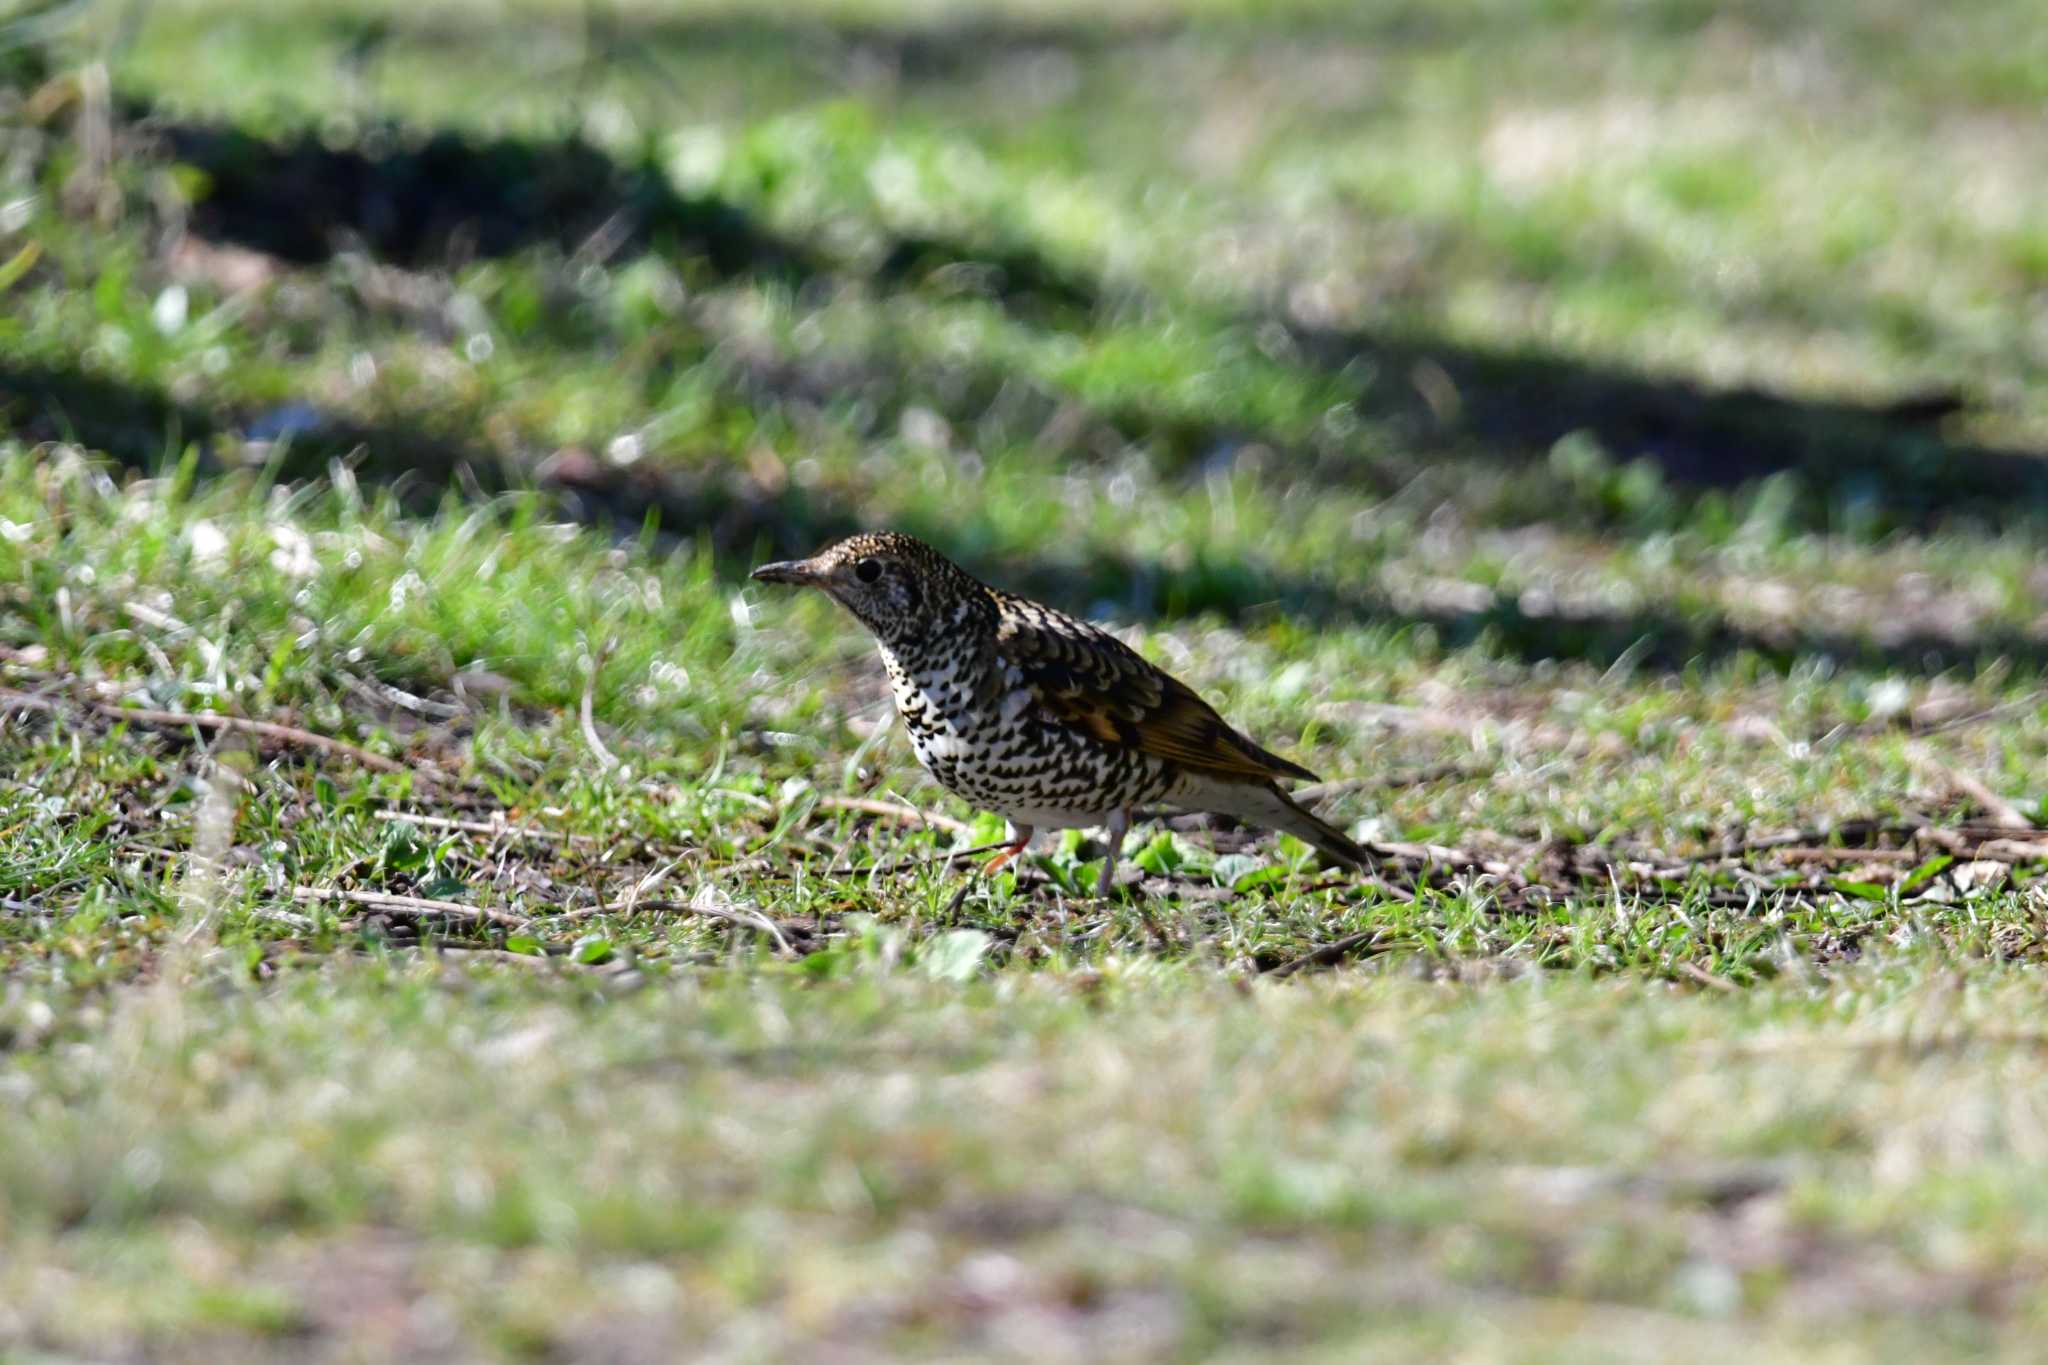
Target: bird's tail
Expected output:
[1265,804]
[1304,825]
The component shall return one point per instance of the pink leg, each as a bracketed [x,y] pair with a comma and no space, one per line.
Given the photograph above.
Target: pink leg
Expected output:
[1019,841]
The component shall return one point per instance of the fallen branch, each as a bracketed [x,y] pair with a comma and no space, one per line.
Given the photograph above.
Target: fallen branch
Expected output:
[531,961]
[1329,953]
[890,810]
[1989,850]
[912,864]
[491,828]
[381,693]
[264,729]
[1848,831]
[2002,812]
[418,905]
[214,720]
[1707,978]
[1437,855]
[1797,854]
[1346,881]
[2026,703]
[751,919]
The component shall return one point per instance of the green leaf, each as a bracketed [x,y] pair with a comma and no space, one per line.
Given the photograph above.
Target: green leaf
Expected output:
[325,794]
[592,948]
[1068,877]
[520,943]
[1231,868]
[1295,851]
[954,955]
[1258,877]
[1868,891]
[834,960]
[1925,870]
[402,848]
[19,264]
[1159,857]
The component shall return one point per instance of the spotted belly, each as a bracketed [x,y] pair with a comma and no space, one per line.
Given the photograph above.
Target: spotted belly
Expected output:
[1035,774]
[1047,785]
[983,738]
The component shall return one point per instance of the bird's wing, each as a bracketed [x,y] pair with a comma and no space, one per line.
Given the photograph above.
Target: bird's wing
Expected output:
[1088,679]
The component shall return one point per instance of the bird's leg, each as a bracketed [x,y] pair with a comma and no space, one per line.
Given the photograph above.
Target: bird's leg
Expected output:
[1119,826]
[1020,839]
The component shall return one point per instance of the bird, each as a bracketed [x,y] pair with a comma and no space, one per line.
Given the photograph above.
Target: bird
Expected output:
[1049,721]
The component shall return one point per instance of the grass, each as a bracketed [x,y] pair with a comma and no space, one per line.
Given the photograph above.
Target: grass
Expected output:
[1144,1162]
[1637,516]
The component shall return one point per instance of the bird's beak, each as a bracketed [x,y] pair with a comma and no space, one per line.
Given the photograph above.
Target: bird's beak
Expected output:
[802,572]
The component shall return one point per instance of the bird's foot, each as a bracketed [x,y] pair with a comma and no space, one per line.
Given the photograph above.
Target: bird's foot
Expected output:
[1002,860]
[1017,845]
[1019,841]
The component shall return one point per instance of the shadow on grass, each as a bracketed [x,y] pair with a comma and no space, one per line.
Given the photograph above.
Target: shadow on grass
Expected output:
[146,429]
[1894,458]
[434,199]
[741,519]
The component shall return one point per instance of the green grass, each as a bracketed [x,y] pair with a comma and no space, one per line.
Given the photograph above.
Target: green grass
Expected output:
[1143,1161]
[1595,436]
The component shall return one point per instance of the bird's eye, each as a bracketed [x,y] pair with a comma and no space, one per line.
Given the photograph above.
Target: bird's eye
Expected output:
[867,571]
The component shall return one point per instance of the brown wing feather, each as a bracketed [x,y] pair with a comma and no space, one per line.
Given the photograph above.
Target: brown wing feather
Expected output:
[1089,679]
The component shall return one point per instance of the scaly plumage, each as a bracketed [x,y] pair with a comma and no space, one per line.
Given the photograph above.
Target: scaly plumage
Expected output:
[1049,721]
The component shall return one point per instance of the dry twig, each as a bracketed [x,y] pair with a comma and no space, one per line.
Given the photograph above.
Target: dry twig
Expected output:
[700,905]
[491,828]
[1797,854]
[2026,703]
[891,810]
[1705,977]
[1848,831]
[1330,953]
[418,905]
[214,720]
[912,864]
[2002,812]
[531,961]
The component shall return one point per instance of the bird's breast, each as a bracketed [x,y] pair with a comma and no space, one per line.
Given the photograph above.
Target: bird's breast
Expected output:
[940,697]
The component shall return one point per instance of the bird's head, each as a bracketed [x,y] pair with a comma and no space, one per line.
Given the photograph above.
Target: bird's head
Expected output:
[898,586]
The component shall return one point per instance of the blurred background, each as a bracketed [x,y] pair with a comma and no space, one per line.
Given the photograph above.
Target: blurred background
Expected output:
[1501,318]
